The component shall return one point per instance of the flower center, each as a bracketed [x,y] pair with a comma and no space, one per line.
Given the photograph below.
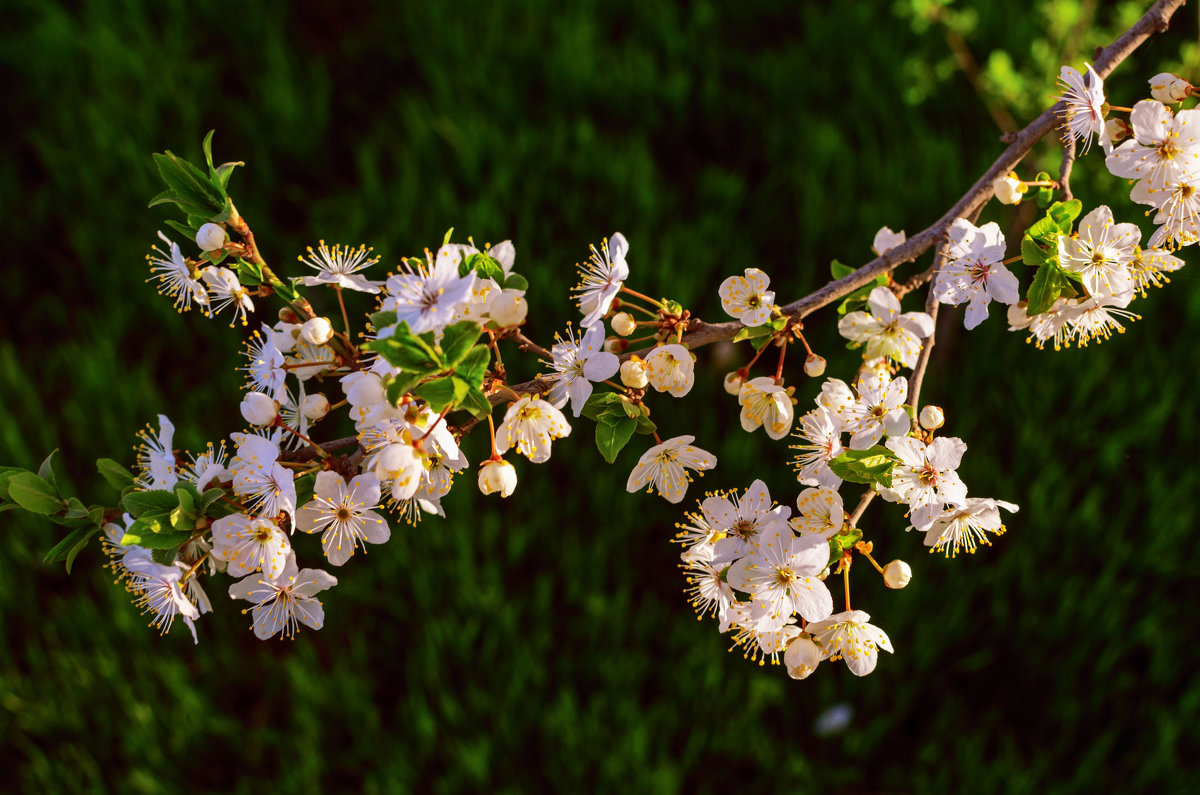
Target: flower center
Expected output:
[744,528]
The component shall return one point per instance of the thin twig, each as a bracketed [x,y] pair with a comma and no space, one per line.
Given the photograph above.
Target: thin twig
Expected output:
[1064,170]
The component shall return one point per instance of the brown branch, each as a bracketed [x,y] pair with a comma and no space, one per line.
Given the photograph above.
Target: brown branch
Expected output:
[1153,21]
[1064,170]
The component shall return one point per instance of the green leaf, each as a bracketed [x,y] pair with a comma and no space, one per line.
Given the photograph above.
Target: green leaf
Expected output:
[612,436]
[477,404]
[224,172]
[76,509]
[165,556]
[838,270]
[53,473]
[1065,213]
[70,546]
[631,411]
[119,477]
[206,145]
[1032,253]
[750,333]
[6,474]
[873,465]
[382,319]
[194,193]
[408,351]
[645,426]
[183,517]
[486,267]
[34,494]
[1048,285]
[208,498]
[139,503]
[457,341]
[516,281]
[438,393]
[143,536]
[401,385]
[472,367]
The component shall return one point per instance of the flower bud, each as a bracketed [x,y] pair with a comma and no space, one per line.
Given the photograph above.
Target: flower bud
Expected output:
[1167,87]
[1009,189]
[508,308]
[633,374]
[801,657]
[315,406]
[886,240]
[623,323]
[734,381]
[318,331]
[259,409]
[814,365]
[932,418]
[497,476]
[616,345]
[210,237]
[1118,129]
[897,574]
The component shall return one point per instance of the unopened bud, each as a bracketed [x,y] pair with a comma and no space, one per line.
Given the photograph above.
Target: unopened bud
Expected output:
[932,418]
[897,574]
[497,476]
[210,237]
[801,657]
[814,365]
[318,331]
[259,409]
[1009,189]
[623,323]
[616,345]
[508,308]
[1118,129]
[315,406]
[1167,87]
[734,381]
[288,315]
[633,374]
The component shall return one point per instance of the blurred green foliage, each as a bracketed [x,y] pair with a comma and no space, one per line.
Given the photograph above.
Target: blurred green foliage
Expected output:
[542,643]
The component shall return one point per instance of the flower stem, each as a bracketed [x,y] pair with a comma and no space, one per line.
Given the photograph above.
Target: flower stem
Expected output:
[320,450]
[846,580]
[642,296]
[779,367]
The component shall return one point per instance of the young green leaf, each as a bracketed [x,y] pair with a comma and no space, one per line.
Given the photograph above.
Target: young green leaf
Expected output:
[141,536]
[457,340]
[1048,285]
[34,494]
[516,281]
[873,465]
[438,393]
[70,546]
[140,503]
[117,476]
[613,434]
[472,367]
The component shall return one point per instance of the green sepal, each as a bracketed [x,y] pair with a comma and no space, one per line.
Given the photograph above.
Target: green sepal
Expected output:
[34,494]
[140,503]
[612,434]
[873,465]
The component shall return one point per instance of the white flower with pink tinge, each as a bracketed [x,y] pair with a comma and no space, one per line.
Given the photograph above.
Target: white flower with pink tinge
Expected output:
[1164,148]
[975,271]
[967,526]
[339,266]
[1084,112]
[1178,205]
[283,602]
[1100,252]
[926,478]
[820,435]
[529,426]
[766,404]
[250,545]
[601,278]
[781,575]
[848,636]
[877,411]
[578,363]
[743,519]
[158,591]
[665,466]
[820,512]
[342,514]
[885,331]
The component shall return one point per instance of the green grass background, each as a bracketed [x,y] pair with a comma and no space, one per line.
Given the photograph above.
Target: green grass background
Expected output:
[542,643]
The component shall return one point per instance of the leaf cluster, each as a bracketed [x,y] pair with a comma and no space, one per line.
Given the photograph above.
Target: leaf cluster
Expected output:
[447,375]
[617,419]
[1039,249]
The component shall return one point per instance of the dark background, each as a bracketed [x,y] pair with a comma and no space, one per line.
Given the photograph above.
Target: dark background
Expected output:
[542,643]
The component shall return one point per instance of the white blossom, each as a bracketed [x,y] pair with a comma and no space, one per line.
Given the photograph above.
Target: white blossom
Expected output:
[819,512]
[577,363]
[802,657]
[743,520]
[1100,252]
[158,591]
[259,478]
[259,409]
[529,426]
[265,362]
[155,458]
[885,331]
[1178,205]
[886,240]
[781,575]
[1168,87]
[975,271]
[340,266]
[1084,111]
[897,574]
[601,278]
[343,515]
[176,279]
[427,297]
[210,237]
[284,602]
[1148,267]
[497,476]
[848,636]
[925,478]
[665,468]
[250,545]
[747,297]
[671,368]
[1164,148]
[877,411]
[967,526]
[766,404]
[225,290]
[1009,189]
[820,436]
